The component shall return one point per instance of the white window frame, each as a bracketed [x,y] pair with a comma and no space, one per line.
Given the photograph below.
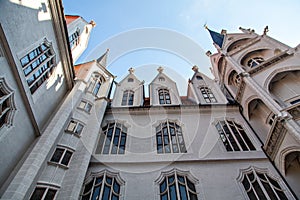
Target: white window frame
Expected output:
[40,62]
[254,170]
[105,173]
[103,139]
[227,137]
[159,133]
[73,127]
[95,84]
[207,94]
[176,172]
[47,188]
[126,98]
[85,106]
[166,96]
[59,162]
[74,39]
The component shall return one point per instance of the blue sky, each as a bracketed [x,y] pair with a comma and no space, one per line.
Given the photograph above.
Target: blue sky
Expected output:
[173,26]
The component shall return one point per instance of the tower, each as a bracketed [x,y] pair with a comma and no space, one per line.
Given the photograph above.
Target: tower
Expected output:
[262,75]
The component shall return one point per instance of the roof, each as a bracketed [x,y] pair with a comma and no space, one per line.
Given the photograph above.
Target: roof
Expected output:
[71,18]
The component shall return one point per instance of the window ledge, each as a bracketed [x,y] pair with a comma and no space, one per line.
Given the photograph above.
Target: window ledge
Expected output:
[58,165]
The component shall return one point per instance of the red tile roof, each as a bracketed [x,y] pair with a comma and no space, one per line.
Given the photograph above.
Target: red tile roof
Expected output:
[71,18]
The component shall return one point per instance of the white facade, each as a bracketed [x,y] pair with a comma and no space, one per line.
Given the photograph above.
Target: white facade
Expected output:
[234,137]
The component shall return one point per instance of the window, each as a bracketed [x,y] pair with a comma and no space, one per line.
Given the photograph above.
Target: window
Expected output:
[43,193]
[169,138]
[75,127]
[61,156]
[255,61]
[130,80]
[105,186]
[259,185]
[128,97]
[7,105]
[95,84]
[208,95]
[271,118]
[199,77]
[164,96]
[295,101]
[38,65]
[86,106]
[177,186]
[233,136]
[161,79]
[74,39]
[113,139]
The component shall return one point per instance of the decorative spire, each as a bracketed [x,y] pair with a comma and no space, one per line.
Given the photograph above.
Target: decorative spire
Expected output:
[216,37]
[266,29]
[103,59]
[160,69]
[93,23]
[195,68]
[131,70]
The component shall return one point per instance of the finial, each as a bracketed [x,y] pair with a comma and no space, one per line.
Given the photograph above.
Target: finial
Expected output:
[195,68]
[205,26]
[160,69]
[93,23]
[266,29]
[208,53]
[131,70]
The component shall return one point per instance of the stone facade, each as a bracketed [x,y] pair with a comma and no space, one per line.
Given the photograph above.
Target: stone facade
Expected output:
[65,135]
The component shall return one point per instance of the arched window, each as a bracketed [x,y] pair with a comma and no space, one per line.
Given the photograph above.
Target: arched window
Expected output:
[252,62]
[208,95]
[95,84]
[259,185]
[105,186]
[164,96]
[38,65]
[112,139]
[7,105]
[169,138]
[233,136]
[199,77]
[130,80]
[177,186]
[128,97]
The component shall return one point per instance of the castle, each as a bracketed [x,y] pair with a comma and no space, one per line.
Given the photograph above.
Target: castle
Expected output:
[65,134]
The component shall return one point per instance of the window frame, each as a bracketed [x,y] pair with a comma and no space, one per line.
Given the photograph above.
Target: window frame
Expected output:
[84,107]
[62,156]
[245,173]
[107,148]
[105,173]
[7,99]
[95,84]
[74,39]
[75,128]
[164,177]
[164,96]
[127,98]
[207,94]
[161,134]
[38,65]
[255,61]
[47,188]
[230,140]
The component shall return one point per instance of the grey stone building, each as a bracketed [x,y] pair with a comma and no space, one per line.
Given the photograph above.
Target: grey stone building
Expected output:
[65,134]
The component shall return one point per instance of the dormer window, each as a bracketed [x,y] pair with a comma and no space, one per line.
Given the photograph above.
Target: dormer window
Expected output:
[208,95]
[95,84]
[74,39]
[130,80]
[128,97]
[164,96]
[255,61]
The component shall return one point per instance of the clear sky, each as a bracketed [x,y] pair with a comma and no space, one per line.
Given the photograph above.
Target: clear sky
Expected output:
[170,33]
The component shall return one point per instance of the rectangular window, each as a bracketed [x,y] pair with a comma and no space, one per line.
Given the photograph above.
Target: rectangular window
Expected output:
[74,39]
[86,106]
[61,156]
[42,192]
[38,65]
[75,127]
[208,95]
